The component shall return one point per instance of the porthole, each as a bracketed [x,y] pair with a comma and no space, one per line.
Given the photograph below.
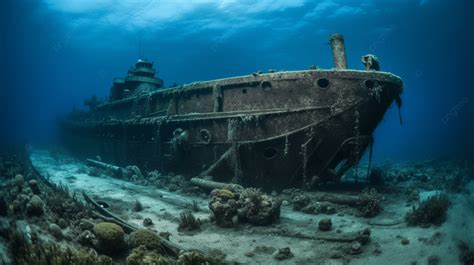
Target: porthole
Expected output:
[103,204]
[270,153]
[266,85]
[205,136]
[369,83]
[323,82]
[177,132]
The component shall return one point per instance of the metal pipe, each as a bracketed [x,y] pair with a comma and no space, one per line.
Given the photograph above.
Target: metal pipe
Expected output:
[338,51]
[117,170]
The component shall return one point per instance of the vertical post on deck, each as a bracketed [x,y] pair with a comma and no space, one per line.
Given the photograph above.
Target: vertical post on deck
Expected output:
[338,51]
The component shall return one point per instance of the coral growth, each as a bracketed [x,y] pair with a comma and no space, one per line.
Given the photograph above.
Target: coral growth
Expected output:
[146,238]
[431,211]
[35,206]
[370,203]
[188,222]
[194,257]
[223,204]
[22,252]
[257,208]
[251,206]
[300,201]
[110,237]
[142,256]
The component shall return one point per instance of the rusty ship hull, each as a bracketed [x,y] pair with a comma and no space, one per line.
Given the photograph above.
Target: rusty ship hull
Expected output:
[273,130]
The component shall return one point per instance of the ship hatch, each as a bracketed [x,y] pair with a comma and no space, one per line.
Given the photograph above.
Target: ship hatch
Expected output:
[270,153]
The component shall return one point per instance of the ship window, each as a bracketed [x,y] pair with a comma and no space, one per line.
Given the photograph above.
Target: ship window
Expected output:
[266,85]
[323,82]
[270,153]
[244,91]
[103,204]
[205,136]
[369,83]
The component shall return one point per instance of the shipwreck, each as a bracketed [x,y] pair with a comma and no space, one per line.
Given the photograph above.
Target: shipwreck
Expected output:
[271,130]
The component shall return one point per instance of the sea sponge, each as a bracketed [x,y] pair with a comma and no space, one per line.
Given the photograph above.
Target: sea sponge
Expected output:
[370,203]
[146,238]
[110,237]
[431,211]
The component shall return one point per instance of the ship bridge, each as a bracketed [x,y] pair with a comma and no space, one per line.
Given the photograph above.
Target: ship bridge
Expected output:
[140,79]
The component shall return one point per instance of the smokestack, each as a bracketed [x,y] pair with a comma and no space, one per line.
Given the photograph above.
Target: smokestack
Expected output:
[338,51]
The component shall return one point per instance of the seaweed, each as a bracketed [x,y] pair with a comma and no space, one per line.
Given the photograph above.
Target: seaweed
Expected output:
[431,211]
[195,206]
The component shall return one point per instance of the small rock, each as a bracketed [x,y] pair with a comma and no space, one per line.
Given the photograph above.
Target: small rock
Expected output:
[405,241]
[56,231]
[165,235]
[356,248]
[325,224]
[62,223]
[173,187]
[147,222]
[364,236]
[283,253]
[300,201]
[309,209]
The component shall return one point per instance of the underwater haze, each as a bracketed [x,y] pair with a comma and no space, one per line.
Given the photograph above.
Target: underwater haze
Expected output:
[56,53]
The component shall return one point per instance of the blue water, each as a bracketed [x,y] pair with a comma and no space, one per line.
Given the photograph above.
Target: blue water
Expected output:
[55,53]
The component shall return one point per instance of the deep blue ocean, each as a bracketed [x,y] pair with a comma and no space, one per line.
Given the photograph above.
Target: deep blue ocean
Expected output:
[55,53]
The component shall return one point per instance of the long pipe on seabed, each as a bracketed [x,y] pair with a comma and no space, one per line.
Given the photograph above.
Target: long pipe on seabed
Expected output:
[338,51]
[117,170]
